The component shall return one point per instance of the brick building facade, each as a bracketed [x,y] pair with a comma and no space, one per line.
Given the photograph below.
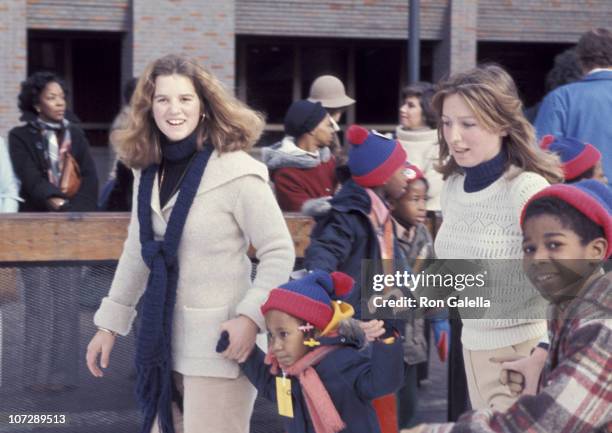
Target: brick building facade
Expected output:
[270,50]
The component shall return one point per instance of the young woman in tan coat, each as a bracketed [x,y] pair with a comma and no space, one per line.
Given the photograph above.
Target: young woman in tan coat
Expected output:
[199,202]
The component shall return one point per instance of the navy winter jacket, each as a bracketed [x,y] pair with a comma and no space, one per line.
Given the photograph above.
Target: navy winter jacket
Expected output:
[344,237]
[352,378]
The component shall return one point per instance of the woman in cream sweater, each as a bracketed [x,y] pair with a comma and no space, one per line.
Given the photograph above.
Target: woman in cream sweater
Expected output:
[417,132]
[199,202]
[491,166]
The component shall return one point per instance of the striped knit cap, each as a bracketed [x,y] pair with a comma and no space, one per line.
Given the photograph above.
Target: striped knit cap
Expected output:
[576,156]
[309,298]
[373,158]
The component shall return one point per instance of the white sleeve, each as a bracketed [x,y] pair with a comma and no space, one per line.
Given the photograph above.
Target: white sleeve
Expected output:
[261,220]
[117,310]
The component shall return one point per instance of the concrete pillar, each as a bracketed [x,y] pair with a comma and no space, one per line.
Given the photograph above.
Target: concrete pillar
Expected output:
[457,50]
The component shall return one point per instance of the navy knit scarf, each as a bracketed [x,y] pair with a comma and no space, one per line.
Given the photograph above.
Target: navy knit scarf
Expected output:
[154,387]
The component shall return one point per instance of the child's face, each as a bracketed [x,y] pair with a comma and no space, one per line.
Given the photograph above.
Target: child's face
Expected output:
[285,339]
[554,258]
[396,185]
[411,207]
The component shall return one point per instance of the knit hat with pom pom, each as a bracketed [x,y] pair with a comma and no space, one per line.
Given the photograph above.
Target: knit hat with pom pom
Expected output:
[373,157]
[309,298]
[576,156]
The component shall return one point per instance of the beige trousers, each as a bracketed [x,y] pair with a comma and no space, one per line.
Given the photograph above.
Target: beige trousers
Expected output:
[486,391]
[213,405]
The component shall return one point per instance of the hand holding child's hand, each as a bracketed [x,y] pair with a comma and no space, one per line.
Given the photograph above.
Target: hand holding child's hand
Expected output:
[522,373]
[242,332]
[373,329]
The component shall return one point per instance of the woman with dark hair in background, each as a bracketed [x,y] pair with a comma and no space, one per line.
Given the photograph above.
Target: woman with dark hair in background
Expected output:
[565,70]
[37,151]
[418,134]
[37,148]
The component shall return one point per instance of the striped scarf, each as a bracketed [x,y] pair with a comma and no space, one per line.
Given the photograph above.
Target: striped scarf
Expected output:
[54,151]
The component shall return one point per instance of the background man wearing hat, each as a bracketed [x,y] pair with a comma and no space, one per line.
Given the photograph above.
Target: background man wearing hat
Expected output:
[301,165]
[330,92]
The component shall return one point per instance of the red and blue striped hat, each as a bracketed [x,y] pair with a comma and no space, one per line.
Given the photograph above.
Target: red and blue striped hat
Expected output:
[309,298]
[576,156]
[373,157]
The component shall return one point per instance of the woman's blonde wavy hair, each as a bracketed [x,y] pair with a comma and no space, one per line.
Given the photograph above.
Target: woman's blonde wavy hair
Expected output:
[228,123]
[492,96]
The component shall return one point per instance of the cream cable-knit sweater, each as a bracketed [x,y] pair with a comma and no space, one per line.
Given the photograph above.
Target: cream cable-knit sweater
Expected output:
[422,149]
[485,225]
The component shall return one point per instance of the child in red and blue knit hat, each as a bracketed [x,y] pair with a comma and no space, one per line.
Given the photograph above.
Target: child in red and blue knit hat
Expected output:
[579,160]
[315,368]
[359,226]
[567,237]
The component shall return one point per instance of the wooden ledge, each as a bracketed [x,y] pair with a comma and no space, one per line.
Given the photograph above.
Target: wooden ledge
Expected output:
[45,237]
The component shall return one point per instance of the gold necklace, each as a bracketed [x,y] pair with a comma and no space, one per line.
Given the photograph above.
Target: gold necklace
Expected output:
[178,184]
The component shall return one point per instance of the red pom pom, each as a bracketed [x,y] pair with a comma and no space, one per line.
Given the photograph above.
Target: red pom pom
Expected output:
[357,134]
[547,141]
[343,283]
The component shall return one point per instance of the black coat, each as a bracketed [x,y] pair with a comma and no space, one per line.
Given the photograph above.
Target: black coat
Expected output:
[26,147]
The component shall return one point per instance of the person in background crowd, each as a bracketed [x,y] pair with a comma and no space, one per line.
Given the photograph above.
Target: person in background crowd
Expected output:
[492,166]
[417,132]
[9,184]
[37,151]
[413,238]
[578,160]
[567,236]
[301,165]
[583,109]
[566,69]
[116,195]
[201,202]
[330,92]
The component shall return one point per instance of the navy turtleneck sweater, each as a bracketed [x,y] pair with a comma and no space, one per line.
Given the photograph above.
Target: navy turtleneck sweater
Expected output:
[176,157]
[484,174]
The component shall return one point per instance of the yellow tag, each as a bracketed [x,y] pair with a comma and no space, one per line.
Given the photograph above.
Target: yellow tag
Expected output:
[283,397]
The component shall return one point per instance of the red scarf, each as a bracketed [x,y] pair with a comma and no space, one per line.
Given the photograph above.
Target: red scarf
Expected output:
[325,417]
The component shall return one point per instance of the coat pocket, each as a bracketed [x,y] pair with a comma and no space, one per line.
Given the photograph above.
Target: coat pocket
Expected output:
[201,331]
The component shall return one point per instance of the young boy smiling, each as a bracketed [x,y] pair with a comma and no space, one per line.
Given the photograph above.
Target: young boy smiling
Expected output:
[567,232]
